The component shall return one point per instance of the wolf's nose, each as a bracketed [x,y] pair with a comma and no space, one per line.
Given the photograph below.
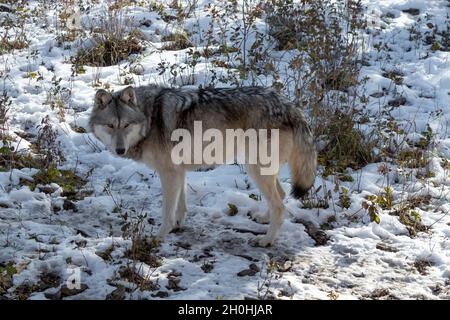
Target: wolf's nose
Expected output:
[120,150]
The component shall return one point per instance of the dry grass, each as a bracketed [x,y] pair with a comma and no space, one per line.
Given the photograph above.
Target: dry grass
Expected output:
[108,51]
[176,41]
[112,40]
[346,146]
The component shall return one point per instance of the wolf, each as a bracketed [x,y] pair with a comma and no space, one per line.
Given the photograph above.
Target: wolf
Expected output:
[137,123]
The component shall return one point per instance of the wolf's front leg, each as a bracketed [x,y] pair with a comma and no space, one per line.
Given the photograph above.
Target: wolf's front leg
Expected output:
[172,182]
[180,214]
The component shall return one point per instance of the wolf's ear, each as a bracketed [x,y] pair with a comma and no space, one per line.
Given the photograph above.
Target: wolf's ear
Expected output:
[128,96]
[102,98]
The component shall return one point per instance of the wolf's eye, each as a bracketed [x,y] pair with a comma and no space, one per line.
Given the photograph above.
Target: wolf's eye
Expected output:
[110,126]
[127,125]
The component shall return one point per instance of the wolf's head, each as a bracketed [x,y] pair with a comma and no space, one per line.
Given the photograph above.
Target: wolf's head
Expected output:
[118,121]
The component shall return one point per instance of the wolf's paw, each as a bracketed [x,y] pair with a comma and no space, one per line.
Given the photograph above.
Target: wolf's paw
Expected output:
[179,223]
[162,233]
[262,218]
[260,241]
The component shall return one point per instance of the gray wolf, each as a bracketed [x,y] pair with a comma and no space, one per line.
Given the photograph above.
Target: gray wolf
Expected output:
[137,123]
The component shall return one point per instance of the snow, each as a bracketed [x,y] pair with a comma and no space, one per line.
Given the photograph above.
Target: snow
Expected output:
[350,265]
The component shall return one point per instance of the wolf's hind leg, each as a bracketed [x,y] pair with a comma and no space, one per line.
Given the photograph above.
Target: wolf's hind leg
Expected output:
[268,186]
[181,211]
[280,190]
[171,182]
[265,217]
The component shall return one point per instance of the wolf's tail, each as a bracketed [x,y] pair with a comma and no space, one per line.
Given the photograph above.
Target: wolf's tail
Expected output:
[303,160]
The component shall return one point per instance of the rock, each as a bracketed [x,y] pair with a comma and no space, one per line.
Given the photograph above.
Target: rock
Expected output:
[146,22]
[246,272]
[400,101]
[254,267]
[285,267]
[247,257]
[378,293]
[53,296]
[66,292]
[207,267]
[429,40]
[160,294]
[412,11]
[385,247]
[138,70]
[5,8]
[48,189]
[49,280]
[69,205]
[173,284]
[117,294]
[422,266]
[377,94]
[183,245]
[81,243]
[319,236]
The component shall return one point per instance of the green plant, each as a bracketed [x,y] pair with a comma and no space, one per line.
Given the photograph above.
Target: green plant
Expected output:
[408,213]
[70,182]
[385,200]
[372,209]
[6,274]
[232,209]
[344,198]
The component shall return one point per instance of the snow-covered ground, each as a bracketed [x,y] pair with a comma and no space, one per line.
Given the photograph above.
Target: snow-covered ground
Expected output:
[207,259]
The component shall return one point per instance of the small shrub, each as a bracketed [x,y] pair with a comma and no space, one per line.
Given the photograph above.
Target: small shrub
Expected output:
[422,266]
[314,200]
[232,209]
[6,277]
[386,199]
[409,215]
[344,198]
[176,41]
[111,43]
[14,36]
[18,42]
[69,23]
[119,4]
[372,209]
[5,104]
[413,222]
[68,180]
[47,144]
[413,159]
[326,33]
[346,145]
[144,250]
[57,97]
[12,159]
[131,275]
[395,75]
[108,51]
